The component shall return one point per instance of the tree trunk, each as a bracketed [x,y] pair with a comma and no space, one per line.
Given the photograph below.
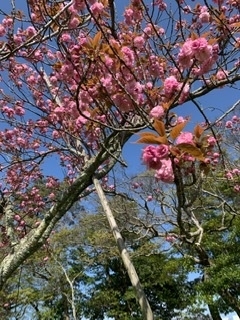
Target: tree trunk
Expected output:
[212,308]
[142,299]
[231,301]
[214,312]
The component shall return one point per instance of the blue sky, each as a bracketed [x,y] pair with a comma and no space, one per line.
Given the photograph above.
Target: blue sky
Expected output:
[214,103]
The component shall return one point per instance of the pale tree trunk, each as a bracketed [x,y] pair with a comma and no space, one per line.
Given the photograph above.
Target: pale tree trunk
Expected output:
[142,299]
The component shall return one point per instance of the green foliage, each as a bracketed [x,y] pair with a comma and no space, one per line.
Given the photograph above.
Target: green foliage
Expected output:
[87,253]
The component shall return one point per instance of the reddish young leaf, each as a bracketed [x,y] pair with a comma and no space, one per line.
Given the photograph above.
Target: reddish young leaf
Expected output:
[167,105]
[151,138]
[96,40]
[159,127]
[194,151]
[198,130]
[194,36]
[177,130]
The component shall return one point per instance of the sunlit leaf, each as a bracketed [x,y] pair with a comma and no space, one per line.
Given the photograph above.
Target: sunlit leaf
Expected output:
[192,150]
[97,39]
[194,36]
[151,138]
[198,130]
[167,105]
[177,129]
[205,34]
[159,127]
[213,41]
[57,65]
[235,24]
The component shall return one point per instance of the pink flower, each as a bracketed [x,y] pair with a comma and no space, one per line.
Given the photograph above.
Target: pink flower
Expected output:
[157,112]
[82,120]
[229,175]
[162,151]
[17,217]
[170,238]
[139,42]
[235,119]
[74,22]
[128,15]
[2,30]
[236,171]
[52,196]
[107,82]
[180,120]
[78,5]
[202,51]
[97,8]
[152,155]
[171,86]
[109,62]
[161,4]
[66,37]
[19,110]
[165,173]
[184,92]
[221,74]
[229,124]
[185,137]
[185,55]
[30,31]
[149,198]
[148,30]
[211,141]
[204,15]
[135,185]
[128,56]
[161,31]
[55,134]
[237,188]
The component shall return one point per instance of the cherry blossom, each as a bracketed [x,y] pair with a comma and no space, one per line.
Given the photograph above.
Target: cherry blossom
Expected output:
[152,155]
[157,112]
[185,137]
[165,173]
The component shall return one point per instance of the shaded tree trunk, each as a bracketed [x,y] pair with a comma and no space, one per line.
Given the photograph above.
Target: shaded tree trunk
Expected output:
[214,312]
[231,300]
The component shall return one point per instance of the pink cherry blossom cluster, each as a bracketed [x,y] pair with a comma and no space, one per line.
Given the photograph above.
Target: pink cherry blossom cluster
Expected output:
[172,87]
[234,123]
[133,13]
[182,152]
[234,176]
[157,112]
[64,90]
[198,52]
[157,158]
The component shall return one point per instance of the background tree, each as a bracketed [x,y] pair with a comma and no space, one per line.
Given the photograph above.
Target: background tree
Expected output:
[87,253]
